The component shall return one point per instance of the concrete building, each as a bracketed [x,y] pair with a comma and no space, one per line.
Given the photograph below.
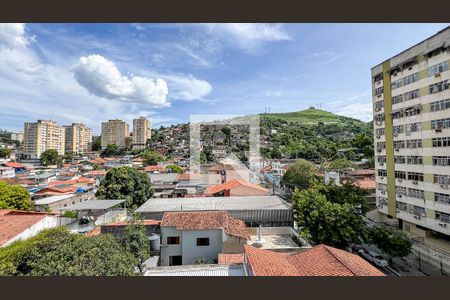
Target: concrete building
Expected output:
[17,136]
[7,172]
[78,138]
[192,237]
[142,131]
[411,103]
[114,132]
[41,136]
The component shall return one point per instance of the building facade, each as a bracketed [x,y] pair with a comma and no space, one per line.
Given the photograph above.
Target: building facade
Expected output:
[78,138]
[114,132]
[142,131]
[41,136]
[411,103]
[18,136]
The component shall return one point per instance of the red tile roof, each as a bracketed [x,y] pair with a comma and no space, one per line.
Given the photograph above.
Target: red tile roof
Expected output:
[72,181]
[188,176]
[367,184]
[96,173]
[14,165]
[57,190]
[366,172]
[320,260]
[220,167]
[205,220]
[154,168]
[227,259]
[96,231]
[233,184]
[13,223]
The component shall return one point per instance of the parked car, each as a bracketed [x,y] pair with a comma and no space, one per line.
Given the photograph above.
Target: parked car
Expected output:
[374,257]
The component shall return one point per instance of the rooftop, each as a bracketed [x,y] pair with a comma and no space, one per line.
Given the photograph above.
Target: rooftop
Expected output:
[214,203]
[52,199]
[94,205]
[197,270]
[233,184]
[227,259]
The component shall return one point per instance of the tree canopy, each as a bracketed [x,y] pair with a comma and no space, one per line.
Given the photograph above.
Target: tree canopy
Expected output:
[299,175]
[51,157]
[394,244]
[125,183]
[113,150]
[175,168]
[151,157]
[14,197]
[5,152]
[134,239]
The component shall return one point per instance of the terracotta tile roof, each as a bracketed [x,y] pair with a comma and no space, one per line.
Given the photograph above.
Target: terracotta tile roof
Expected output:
[96,231]
[188,176]
[154,168]
[96,173]
[14,165]
[233,184]
[205,220]
[367,184]
[144,222]
[13,222]
[227,259]
[220,167]
[367,172]
[72,181]
[137,159]
[57,190]
[320,260]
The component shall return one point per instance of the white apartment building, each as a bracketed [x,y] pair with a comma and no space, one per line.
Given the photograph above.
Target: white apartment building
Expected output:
[78,138]
[411,102]
[41,136]
[17,136]
[114,132]
[142,131]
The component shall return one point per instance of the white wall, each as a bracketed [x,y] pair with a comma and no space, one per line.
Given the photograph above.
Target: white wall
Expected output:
[47,222]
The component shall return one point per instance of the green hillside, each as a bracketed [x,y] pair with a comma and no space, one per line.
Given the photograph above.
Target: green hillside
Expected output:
[309,117]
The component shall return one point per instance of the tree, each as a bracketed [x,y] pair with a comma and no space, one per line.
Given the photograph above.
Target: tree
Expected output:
[299,175]
[5,152]
[112,150]
[57,252]
[346,193]
[339,164]
[96,143]
[125,183]
[175,168]
[394,244]
[51,157]
[151,157]
[14,197]
[332,224]
[135,240]
[68,157]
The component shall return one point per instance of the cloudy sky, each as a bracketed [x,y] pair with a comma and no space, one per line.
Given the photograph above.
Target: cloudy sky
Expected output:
[94,72]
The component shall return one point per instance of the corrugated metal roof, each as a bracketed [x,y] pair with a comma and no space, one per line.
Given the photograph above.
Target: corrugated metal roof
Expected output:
[52,199]
[93,205]
[198,270]
[214,203]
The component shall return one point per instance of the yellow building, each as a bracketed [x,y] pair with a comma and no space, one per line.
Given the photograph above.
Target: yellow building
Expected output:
[411,102]
[114,132]
[41,136]
[142,131]
[78,138]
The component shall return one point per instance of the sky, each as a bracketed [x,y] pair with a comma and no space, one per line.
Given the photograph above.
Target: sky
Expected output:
[89,73]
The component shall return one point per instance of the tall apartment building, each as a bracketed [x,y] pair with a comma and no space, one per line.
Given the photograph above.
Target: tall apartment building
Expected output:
[78,138]
[41,136]
[411,102]
[142,131]
[114,132]
[17,136]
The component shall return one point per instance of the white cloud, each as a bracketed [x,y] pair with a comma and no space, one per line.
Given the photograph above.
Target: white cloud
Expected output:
[102,78]
[187,87]
[325,56]
[12,35]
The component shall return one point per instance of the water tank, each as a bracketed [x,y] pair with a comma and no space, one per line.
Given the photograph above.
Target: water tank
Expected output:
[154,242]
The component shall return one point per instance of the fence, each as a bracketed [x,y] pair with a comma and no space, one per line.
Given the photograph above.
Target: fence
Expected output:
[429,260]
[111,216]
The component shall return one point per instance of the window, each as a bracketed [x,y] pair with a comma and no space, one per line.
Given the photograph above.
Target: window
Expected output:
[412,95]
[440,105]
[413,127]
[414,176]
[412,144]
[378,91]
[399,159]
[441,142]
[398,129]
[401,205]
[176,260]
[382,173]
[439,68]
[441,179]
[400,190]
[439,124]
[379,132]
[382,186]
[441,216]
[400,174]
[411,78]
[382,200]
[415,193]
[417,210]
[202,241]
[396,84]
[439,87]
[379,105]
[441,160]
[381,159]
[381,146]
[379,119]
[378,77]
[399,144]
[435,52]
[173,240]
[412,111]
[415,160]
[442,198]
[397,99]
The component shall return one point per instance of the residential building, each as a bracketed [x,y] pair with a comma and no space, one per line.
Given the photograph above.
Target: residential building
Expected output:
[18,168]
[411,102]
[17,136]
[236,187]
[7,172]
[142,131]
[192,237]
[41,136]
[114,132]
[78,138]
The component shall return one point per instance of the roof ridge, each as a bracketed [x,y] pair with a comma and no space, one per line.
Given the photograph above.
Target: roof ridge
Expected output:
[338,259]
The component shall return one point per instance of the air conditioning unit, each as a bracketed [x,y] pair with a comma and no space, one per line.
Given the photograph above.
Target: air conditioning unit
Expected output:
[399,195]
[383,192]
[380,205]
[437,75]
[415,182]
[444,186]
[378,136]
[381,163]
[442,224]
[379,95]
[417,217]
[378,150]
[377,109]
[397,149]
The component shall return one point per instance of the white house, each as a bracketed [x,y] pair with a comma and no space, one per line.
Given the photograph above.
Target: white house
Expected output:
[191,237]
[7,172]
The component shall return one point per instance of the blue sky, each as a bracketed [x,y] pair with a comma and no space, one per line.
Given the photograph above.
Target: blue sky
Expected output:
[94,72]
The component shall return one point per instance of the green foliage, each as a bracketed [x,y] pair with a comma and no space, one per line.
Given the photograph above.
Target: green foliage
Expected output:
[57,252]
[299,175]
[113,150]
[125,183]
[70,214]
[339,164]
[175,168]
[96,143]
[325,222]
[51,157]
[346,193]
[14,197]
[134,239]
[151,158]
[5,152]
[394,244]
[68,157]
